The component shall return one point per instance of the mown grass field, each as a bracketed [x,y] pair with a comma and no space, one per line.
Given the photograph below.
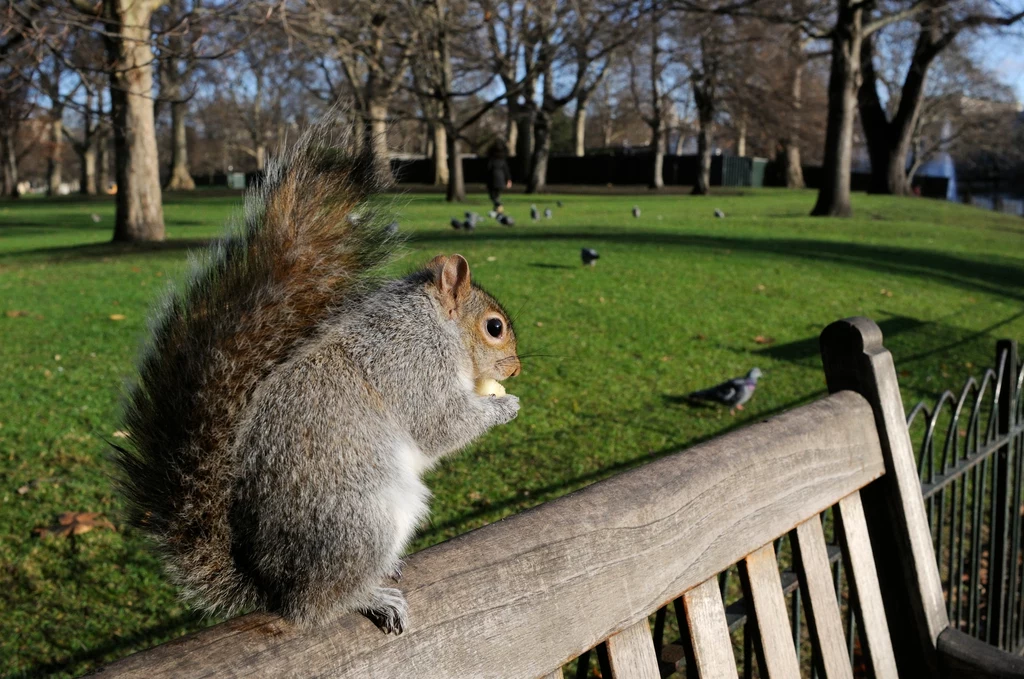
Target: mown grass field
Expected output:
[679,300]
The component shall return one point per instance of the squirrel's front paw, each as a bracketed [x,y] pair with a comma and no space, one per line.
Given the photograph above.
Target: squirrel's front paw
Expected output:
[507,407]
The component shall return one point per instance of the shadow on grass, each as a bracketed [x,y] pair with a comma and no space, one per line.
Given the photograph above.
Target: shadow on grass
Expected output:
[112,650]
[995,278]
[543,265]
[908,339]
[107,249]
[991,277]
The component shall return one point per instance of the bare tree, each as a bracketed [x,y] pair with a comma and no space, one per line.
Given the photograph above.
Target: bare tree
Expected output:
[451,72]
[653,90]
[889,133]
[576,47]
[368,44]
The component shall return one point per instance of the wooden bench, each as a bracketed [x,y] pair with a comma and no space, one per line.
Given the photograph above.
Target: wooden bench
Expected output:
[524,596]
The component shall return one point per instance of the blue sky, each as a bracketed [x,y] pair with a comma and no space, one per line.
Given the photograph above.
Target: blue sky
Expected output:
[1005,55]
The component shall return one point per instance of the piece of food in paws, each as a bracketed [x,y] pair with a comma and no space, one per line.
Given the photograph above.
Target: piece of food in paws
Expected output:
[489,387]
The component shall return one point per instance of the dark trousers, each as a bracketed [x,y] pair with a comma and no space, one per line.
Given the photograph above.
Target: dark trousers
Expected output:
[495,195]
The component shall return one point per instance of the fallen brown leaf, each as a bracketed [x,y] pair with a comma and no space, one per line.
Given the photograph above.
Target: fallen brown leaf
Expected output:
[75,523]
[15,313]
[117,317]
[761,339]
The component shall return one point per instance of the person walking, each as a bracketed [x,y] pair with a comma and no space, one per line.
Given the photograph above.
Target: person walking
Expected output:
[499,177]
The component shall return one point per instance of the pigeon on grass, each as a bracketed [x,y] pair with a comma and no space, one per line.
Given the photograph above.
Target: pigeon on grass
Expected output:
[505,220]
[534,213]
[636,210]
[733,393]
[719,213]
[589,256]
[547,213]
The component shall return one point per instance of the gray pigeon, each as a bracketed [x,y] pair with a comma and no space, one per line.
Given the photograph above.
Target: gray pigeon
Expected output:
[547,213]
[493,214]
[733,393]
[95,218]
[472,219]
[589,256]
[534,214]
[505,220]
[456,224]
[636,211]
[719,213]
[558,203]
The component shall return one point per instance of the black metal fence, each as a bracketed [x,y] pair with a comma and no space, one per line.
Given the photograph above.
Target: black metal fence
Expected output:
[971,460]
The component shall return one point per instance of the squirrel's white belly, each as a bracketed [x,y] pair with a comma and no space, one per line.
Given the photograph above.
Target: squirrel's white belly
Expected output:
[409,497]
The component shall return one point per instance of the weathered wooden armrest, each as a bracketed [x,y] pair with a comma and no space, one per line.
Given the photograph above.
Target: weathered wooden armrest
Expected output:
[963,657]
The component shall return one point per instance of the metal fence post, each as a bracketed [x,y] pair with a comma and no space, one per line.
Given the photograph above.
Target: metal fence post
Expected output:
[1006,367]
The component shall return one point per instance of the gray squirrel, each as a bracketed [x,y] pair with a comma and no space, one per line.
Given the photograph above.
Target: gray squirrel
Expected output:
[289,400]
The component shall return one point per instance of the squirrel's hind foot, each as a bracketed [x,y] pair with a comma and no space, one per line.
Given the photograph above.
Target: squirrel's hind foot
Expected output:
[388,610]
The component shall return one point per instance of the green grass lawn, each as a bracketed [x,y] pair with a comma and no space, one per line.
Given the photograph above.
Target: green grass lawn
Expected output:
[675,303]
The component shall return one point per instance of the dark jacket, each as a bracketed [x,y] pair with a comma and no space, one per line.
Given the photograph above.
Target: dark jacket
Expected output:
[498,173]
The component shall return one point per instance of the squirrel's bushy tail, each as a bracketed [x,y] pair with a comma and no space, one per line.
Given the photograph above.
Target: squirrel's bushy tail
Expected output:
[307,243]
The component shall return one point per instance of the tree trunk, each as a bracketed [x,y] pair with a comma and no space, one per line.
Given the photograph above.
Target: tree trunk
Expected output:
[844,78]
[10,162]
[790,153]
[541,150]
[792,166]
[377,139]
[889,142]
[658,146]
[55,159]
[524,139]
[741,139]
[511,133]
[440,155]
[181,178]
[579,126]
[456,182]
[102,158]
[261,156]
[703,160]
[87,180]
[140,215]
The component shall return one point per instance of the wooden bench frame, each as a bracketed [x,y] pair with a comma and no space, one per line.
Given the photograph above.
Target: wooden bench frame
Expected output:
[523,596]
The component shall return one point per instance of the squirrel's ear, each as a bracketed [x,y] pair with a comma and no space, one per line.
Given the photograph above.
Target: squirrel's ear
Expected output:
[452,280]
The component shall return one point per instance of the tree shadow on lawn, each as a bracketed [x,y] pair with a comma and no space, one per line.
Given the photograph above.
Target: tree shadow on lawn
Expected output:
[991,277]
[86,251]
[117,648]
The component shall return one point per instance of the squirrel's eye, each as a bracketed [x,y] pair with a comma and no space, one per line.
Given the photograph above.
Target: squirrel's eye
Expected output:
[494,327]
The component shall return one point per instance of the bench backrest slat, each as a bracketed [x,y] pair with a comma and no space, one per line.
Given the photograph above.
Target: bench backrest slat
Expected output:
[867,598]
[824,622]
[631,653]
[709,632]
[760,574]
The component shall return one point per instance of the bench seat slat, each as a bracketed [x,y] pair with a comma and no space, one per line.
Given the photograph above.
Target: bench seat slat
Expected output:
[761,570]
[631,653]
[824,621]
[853,537]
[712,645]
